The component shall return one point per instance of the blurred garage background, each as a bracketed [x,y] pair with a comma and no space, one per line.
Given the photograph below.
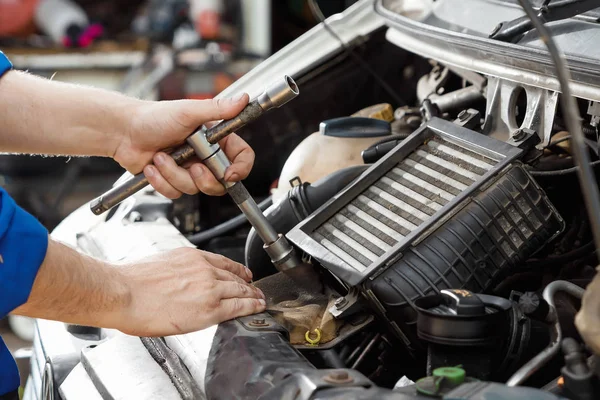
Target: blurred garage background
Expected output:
[153,49]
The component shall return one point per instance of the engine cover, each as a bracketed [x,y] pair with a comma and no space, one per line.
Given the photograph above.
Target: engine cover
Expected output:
[448,208]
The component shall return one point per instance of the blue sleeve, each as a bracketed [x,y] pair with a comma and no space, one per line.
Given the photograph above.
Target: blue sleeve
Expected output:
[5,64]
[23,245]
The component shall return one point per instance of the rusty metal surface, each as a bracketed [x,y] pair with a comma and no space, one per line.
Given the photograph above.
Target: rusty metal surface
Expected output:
[183,153]
[252,111]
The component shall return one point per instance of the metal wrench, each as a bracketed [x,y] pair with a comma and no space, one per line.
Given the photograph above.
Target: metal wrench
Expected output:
[275,96]
[203,143]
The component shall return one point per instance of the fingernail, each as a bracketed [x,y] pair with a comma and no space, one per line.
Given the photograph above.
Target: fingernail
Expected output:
[248,272]
[262,302]
[197,171]
[261,294]
[159,159]
[150,171]
[234,177]
[238,97]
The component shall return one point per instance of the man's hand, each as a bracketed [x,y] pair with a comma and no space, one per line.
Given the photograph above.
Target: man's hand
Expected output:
[187,290]
[40,116]
[176,292]
[159,125]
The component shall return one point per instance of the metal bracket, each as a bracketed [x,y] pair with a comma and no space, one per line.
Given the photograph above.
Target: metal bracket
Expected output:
[347,305]
[501,118]
[525,139]
[263,322]
[303,385]
[468,118]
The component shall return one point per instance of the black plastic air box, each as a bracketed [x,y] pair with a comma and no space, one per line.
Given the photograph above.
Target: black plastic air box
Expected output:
[448,208]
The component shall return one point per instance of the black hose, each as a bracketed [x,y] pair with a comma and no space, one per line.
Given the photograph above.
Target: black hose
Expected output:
[227,226]
[572,117]
[589,130]
[559,260]
[560,172]
[557,141]
[398,136]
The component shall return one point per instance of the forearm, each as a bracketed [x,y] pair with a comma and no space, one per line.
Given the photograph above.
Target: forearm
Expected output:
[74,288]
[41,116]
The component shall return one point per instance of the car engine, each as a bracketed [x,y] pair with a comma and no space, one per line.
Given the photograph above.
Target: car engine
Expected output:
[426,173]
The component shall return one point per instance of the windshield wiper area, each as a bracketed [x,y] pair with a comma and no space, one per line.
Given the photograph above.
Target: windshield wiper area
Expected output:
[555,11]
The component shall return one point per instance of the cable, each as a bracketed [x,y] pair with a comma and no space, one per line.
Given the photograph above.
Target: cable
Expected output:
[563,139]
[560,172]
[318,14]
[227,226]
[571,115]
[559,260]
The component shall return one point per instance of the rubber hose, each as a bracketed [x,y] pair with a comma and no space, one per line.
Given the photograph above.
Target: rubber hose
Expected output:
[289,211]
[226,227]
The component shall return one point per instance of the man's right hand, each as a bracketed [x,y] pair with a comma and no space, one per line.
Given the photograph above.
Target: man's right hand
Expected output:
[175,292]
[186,290]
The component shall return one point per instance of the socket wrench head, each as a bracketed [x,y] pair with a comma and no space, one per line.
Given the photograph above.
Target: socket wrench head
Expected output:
[278,94]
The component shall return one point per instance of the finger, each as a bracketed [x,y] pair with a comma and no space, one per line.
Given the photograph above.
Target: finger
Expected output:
[222,262]
[226,276]
[230,290]
[242,157]
[215,109]
[205,181]
[236,307]
[177,176]
[159,183]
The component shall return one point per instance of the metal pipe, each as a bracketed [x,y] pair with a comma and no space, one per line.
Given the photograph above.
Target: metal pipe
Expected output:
[458,99]
[366,351]
[275,96]
[549,352]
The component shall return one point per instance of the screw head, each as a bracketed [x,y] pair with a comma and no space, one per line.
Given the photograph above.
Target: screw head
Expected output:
[518,135]
[341,302]
[338,377]
[259,322]
[463,115]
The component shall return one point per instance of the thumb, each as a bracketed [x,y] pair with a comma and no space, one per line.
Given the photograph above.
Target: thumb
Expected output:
[216,109]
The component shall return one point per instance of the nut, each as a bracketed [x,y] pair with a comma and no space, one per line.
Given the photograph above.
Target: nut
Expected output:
[341,302]
[338,377]
[258,322]
[519,135]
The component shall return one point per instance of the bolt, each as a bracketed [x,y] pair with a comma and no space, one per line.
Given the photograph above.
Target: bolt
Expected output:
[518,135]
[463,116]
[258,322]
[341,302]
[338,377]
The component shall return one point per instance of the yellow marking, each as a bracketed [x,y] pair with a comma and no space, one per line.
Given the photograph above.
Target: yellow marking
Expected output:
[311,341]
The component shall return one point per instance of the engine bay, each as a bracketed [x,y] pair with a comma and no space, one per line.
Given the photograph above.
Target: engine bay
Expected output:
[448,231]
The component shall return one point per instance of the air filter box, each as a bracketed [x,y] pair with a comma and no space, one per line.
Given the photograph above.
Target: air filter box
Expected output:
[448,208]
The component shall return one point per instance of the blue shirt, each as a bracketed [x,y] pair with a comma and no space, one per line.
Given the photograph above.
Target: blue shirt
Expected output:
[23,245]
